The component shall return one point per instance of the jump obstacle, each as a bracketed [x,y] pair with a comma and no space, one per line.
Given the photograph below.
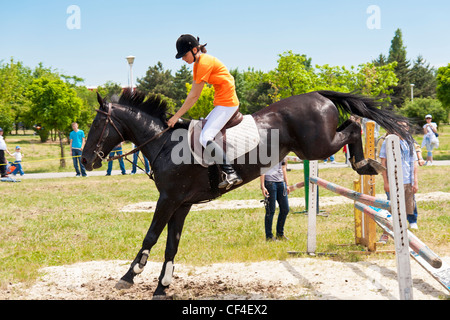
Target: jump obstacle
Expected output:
[406,243]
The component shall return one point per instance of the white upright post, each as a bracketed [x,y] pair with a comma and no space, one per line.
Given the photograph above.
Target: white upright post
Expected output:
[398,211]
[312,208]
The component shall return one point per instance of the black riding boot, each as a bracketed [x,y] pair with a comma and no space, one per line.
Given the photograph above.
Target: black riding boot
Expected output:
[230,177]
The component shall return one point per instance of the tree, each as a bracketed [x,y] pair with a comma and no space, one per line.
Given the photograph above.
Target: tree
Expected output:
[87,111]
[15,78]
[334,78]
[182,76]
[424,78]
[420,107]
[257,90]
[109,90]
[443,86]
[380,61]
[293,75]
[54,105]
[397,53]
[376,81]
[204,104]
[157,80]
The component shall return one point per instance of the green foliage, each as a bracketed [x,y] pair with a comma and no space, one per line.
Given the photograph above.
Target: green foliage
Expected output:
[424,78]
[254,89]
[15,78]
[204,104]
[156,80]
[376,80]
[293,75]
[54,104]
[88,107]
[443,86]
[397,53]
[6,118]
[109,90]
[182,76]
[420,107]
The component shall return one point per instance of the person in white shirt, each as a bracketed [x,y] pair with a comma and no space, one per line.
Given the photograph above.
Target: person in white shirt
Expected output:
[3,148]
[430,139]
[18,162]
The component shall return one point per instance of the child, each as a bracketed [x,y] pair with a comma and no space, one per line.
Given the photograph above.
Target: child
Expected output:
[410,179]
[18,156]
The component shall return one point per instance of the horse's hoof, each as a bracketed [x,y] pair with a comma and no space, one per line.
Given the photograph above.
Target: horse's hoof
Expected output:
[369,167]
[378,167]
[123,285]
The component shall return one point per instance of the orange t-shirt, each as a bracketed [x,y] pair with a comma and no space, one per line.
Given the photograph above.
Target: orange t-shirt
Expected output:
[209,69]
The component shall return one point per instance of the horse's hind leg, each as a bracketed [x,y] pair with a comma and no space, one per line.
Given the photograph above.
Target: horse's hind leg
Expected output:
[174,230]
[362,166]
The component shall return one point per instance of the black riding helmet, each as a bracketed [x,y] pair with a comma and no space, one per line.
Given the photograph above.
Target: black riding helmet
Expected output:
[186,43]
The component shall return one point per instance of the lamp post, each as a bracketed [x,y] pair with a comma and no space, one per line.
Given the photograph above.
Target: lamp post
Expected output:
[412,92]
[130,60]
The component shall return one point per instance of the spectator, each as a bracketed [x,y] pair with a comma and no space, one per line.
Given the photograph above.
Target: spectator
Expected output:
[116,151]
[274,189]
[3,148]
[77,141]
[135,160]
[410,179]
[430,138]
[3,162]
[18,162]
[331,158]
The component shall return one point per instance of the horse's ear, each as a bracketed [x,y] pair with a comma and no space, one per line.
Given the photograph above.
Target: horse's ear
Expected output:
[100,100]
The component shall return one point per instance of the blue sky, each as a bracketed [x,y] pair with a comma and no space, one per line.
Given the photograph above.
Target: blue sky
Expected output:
[242,34]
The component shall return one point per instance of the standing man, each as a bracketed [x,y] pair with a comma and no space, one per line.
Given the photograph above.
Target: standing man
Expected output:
[3,148]
[77,141]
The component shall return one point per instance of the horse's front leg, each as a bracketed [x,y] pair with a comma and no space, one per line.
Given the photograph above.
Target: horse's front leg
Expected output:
[175,227]
[163,212]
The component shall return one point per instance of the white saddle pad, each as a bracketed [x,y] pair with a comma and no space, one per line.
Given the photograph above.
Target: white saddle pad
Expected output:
[239,140]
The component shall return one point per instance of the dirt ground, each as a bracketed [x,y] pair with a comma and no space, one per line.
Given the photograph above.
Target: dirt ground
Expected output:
[310,278]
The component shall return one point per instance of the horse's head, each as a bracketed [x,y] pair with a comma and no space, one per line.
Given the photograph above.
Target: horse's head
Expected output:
[104,134]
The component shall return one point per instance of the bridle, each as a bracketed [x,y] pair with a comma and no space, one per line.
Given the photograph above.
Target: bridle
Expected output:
[101,140]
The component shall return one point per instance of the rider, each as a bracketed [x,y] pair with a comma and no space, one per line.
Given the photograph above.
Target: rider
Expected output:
[208,69]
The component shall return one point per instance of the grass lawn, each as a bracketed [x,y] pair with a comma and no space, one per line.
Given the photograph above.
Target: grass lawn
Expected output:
[62,221]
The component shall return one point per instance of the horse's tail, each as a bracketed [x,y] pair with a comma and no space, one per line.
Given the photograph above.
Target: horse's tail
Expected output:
[369,108]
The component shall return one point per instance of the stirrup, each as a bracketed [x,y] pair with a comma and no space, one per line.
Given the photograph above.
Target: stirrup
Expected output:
[227,183]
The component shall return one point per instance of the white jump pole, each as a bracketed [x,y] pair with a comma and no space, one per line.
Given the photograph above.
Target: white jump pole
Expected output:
[398,211]
[312,209]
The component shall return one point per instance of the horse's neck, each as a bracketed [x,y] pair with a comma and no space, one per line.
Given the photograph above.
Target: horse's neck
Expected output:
[143,128]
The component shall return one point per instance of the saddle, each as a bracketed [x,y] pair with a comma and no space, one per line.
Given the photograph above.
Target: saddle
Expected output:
[238,137]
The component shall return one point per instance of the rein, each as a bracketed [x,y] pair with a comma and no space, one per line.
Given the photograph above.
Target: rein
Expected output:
[109,119]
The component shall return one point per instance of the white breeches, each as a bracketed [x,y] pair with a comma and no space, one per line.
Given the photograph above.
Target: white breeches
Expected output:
[216,120]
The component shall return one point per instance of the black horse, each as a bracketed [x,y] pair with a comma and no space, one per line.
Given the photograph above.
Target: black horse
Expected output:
[306,124]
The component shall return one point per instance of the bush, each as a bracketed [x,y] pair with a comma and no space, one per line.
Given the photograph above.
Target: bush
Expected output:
[420,107]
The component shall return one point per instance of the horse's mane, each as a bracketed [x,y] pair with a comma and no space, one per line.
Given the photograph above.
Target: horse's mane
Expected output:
[154,105]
